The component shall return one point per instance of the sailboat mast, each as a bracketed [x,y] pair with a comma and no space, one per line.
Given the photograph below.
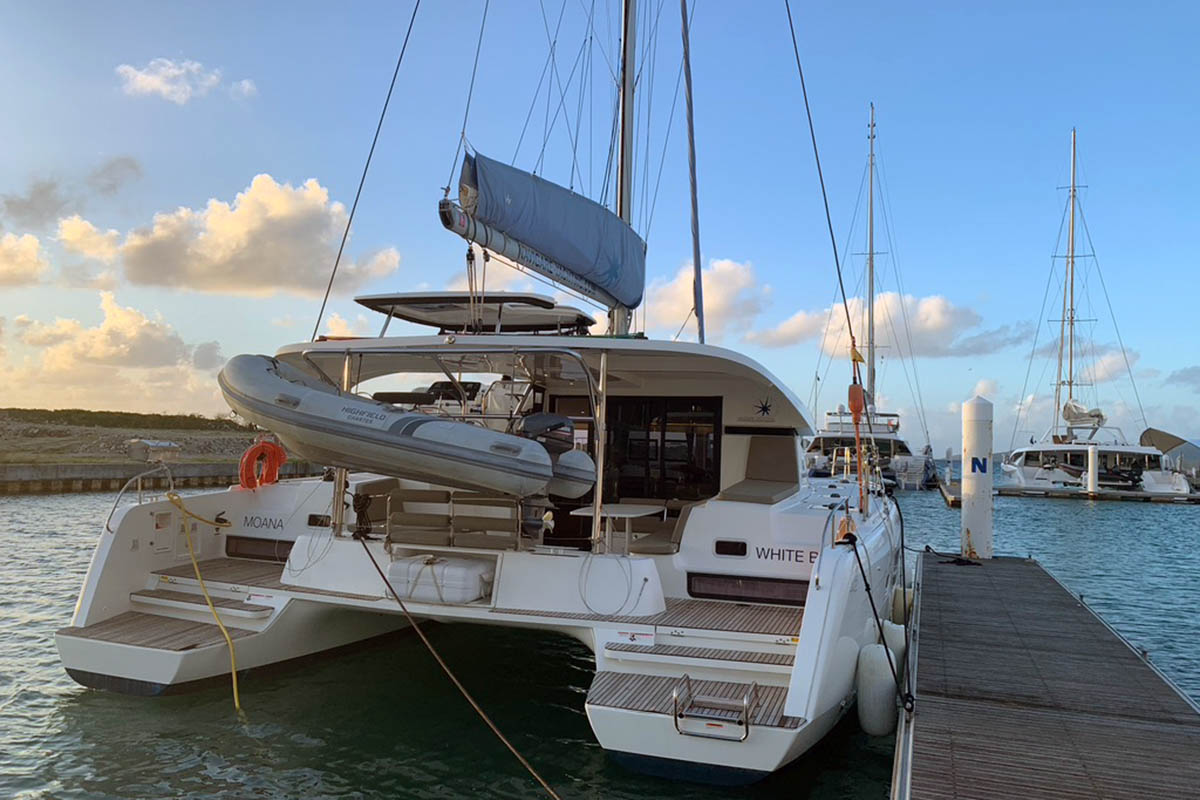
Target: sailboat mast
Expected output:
[871,260]
[1071,281]
[618,315]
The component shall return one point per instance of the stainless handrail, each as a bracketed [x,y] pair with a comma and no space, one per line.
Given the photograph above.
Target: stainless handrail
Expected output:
[160,468]
[683,691]
[451,349]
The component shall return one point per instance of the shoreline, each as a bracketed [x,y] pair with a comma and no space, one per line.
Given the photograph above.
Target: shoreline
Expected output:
[111,476]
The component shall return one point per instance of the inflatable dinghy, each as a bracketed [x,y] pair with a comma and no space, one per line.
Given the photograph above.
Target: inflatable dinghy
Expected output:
[341,429]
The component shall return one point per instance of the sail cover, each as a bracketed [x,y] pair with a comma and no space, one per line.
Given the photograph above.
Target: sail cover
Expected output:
[579,235]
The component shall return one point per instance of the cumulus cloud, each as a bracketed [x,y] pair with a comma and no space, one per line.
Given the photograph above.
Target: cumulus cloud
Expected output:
[108,178]
[733,297]
[243,89]
[340,326]
[985,387]
[1108,365]
[125,337]
[937,328]
[130,360]
[21,260]
[80,236]
[40,204]
[272,238]
[1188,376]
[207,355]
[176,81]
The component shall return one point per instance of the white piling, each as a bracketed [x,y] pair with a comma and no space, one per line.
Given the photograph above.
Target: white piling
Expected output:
[1093,473]
[977,478]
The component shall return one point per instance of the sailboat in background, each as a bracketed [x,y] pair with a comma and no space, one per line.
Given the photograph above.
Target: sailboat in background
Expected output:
[832,450]
[1060,458]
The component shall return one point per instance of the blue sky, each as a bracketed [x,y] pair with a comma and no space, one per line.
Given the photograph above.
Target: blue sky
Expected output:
[975,106]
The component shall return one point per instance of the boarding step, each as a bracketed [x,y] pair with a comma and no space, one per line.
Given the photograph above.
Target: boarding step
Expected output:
[710,657]
[727,710]
[155,631]
[188,601]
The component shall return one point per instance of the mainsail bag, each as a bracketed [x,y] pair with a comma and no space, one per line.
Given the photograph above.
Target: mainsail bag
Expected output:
[578,234]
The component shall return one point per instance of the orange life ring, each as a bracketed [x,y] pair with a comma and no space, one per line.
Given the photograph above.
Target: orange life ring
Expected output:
[267,453]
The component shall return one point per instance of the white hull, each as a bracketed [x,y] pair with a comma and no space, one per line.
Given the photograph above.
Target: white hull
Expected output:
[328,595]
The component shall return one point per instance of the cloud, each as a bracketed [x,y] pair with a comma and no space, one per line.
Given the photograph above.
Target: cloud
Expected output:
[243,89]
[733,297]
[125,337]
[128,361]
[207,355]
[985,387]
[21,260]
[80,236]
[1188,376]
[1109,365]
[108,178]
[340,326]
[176,81]
[272,238]
[41,203]
[937,328]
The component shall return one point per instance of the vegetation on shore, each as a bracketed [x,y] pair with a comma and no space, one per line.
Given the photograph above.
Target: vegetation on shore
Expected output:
[124,419]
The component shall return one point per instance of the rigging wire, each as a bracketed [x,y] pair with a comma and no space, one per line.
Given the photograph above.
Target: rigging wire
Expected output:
[886,208]
[817,378]
[824,195]
[1116,327]
[462,136]
[662,160]
[354,206]
[1037,332]
[454,678]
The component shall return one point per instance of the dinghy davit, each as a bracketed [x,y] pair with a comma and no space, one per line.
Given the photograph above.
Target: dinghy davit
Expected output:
[320,423]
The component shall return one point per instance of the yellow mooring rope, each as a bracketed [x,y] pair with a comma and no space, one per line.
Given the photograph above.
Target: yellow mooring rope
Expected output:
[177,501]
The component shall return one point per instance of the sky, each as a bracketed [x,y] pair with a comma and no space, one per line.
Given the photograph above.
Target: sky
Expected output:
[175,179]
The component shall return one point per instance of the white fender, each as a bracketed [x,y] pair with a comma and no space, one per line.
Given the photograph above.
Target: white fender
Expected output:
[876,691]
[900,598]
[893,637]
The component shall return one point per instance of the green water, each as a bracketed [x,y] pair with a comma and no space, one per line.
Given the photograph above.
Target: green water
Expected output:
[384,722]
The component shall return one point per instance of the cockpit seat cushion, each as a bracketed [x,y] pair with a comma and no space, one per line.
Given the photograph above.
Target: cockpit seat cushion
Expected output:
[752,491]
[664,542]
[772,472]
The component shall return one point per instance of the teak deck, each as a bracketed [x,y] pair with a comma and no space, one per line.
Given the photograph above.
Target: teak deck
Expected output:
[1023,692]
[652,693]
[706,615]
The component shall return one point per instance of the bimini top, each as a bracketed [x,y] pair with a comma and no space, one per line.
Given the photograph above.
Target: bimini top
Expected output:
[753,398]
[494,312]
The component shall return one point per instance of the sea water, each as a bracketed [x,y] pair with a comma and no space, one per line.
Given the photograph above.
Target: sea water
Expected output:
[383,721]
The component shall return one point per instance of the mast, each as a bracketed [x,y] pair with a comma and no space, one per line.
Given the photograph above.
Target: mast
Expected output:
[1071,281]
[697,273]
[618,315]
[871,260]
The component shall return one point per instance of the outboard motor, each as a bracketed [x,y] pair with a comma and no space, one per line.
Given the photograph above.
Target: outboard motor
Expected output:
[574,470]
[555,432]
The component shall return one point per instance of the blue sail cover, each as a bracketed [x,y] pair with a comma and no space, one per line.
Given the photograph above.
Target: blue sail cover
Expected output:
[579,234]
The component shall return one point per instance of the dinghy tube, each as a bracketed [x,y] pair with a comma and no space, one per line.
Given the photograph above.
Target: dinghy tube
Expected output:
[342,429]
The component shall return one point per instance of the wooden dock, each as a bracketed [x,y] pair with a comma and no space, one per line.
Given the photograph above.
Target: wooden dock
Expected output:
[1023,692]
[952,494]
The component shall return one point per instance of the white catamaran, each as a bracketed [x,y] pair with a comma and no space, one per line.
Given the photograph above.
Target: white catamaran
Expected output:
[644,497]
[1061,458]
[832,449]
